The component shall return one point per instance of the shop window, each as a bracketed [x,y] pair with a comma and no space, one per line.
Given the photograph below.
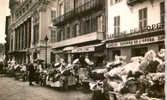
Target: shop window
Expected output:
[52,57]
[142,18]
[117,25]
[139,51]
[161,46]
[115,52]
[162,12]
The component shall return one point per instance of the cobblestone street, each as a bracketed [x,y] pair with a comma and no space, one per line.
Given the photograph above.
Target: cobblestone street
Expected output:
[10,89]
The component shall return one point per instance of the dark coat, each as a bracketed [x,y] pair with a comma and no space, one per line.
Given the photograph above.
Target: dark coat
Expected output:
[31,70]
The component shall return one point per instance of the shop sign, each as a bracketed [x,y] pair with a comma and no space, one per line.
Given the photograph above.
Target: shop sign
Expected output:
[136,41]
[84,49]
[68,48]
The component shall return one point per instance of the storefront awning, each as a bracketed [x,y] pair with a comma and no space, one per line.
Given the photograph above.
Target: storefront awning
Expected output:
[69,48]
[89,48]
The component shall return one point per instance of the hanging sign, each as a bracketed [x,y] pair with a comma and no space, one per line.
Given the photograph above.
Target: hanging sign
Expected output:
[136,41]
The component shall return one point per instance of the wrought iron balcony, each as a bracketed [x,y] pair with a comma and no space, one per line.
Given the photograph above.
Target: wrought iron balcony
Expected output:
[92,5]
[133,2]
[147,31]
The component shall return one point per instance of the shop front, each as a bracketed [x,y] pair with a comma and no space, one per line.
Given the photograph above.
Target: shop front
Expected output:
[85,51]
[94,52]
[19,56]
[56,55]
[135,46]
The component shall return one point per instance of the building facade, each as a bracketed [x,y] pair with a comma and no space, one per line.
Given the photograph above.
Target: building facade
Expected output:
[30,24]
[84,27]
[134,27]
[80,28]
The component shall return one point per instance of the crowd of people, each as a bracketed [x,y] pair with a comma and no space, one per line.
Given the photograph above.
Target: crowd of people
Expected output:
[141,78]
[59,74]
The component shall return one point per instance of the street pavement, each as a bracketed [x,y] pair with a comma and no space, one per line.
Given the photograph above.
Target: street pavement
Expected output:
[11,89]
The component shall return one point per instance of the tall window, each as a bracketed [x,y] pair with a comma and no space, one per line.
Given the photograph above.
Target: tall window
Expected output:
[162,12]
[117,25]
[53,35]
[59,35]
[142,18]
[63,35]
[76,3]
[36,33]
[87,25]
[75,30]
[100,24]
[61,9]
[69,5]
[68,32]
[53,14]
[94,25]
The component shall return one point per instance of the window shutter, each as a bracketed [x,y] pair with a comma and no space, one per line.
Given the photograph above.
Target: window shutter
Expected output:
[140,14]
[145,12]
[118,20]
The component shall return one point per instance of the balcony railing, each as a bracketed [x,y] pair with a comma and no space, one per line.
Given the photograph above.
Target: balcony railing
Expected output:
[147,30]
[133,2]
[92,5]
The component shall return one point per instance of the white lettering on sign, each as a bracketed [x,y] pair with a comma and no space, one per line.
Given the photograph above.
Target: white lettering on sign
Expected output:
[137,41]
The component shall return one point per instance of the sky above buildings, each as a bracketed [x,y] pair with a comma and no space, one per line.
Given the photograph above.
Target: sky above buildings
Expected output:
[4,11]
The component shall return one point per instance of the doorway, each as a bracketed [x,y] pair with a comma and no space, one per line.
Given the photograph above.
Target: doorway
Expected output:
[139,51]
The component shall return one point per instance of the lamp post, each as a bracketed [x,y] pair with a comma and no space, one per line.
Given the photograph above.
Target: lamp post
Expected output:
[46,40]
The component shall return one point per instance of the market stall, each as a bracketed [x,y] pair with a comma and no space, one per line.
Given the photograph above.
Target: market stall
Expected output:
[143,78]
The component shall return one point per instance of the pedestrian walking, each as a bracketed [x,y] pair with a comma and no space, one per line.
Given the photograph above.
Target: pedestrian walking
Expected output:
[31,71]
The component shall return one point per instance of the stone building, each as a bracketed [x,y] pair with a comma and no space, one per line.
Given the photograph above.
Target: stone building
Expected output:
[30,24]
